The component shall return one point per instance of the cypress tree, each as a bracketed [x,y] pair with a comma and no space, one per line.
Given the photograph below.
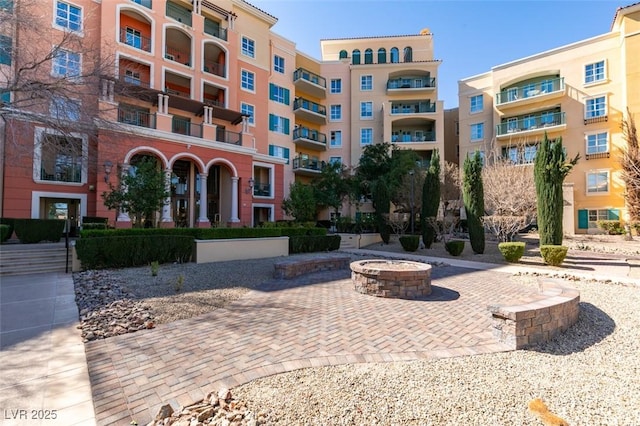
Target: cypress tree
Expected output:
[473,198]
[381,204]
[430,199]
[549,170]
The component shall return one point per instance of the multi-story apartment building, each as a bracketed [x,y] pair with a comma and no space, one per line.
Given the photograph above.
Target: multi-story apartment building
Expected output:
[231,111]
[580,92]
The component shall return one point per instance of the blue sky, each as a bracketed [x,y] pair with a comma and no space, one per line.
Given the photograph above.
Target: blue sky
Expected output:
[470,37]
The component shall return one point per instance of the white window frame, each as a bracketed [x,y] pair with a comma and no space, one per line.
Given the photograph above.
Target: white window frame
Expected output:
[55,64]
[279,126]
[338,139]
[338,109]
[271,178]
[598,172]
[369,131]
[473,105]
[366,110]
[596,135]
[251,120]
[337,87]
[471,132]
[279,94]
[594,75]
[66,19]
[39,134]
[248,47]
[366,83]
[280,68]
[336,159]
[595,98]
[60,109]
[248,73]
[594,224]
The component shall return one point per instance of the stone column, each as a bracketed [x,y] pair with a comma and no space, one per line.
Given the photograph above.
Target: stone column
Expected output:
[167,220]
[234,200]
[203,220]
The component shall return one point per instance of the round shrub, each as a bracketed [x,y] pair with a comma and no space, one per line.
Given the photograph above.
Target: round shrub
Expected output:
[511,251]
[4,233]
[455,247]
[410,242]
[553,255]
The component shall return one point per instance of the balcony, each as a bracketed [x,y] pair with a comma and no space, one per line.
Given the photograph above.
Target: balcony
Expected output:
[261,189]
[179,13]
[177,55]
[145,3]
[214,68]
[307,166]
[413,136]
[531,125]
[310,111]
[530,93]
[310,83]
[420,107]
[227,136]
[213,29]
[184,126]
[310,138]
[412,84]
[131,37]
[136,117]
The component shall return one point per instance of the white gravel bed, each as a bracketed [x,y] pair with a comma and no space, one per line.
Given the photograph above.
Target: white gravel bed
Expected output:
[588,376]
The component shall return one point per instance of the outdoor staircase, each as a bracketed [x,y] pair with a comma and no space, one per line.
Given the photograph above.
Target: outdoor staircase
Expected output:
[23,259]
[348,241]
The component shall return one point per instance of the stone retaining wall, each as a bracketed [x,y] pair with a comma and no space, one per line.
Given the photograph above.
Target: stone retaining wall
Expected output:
[291,268]
[521,326]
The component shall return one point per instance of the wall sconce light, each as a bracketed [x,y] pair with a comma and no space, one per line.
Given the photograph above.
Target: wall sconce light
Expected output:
[108,165]
[251,183]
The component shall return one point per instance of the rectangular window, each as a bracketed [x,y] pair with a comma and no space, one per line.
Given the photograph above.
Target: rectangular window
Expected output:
[594,72]
[132,77]
[595,107]
[61,159]
[278,94]
[336,85]
[548,118]
[133,38]
[278,124]
[366,136]
[66,64]
[64,109]
[528,122]
[477,131]
[476,103]
[278,64]
[593,216]
[5,50]
[335,112]
[279,151]
[333,160]
[366,82]
[248,47]
[336,139]
[68,16]
[598,182]
[249,111]
[247,80]
[366,109]
[597,142]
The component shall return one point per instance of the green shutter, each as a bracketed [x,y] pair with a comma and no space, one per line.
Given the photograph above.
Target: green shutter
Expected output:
[286,126]
[272,91]
[272,122]
[583,219]
[271,150]
[286,96]
[286,154]
[613,214]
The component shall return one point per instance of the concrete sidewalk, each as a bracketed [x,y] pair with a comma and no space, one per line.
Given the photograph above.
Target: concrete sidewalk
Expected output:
[44,378]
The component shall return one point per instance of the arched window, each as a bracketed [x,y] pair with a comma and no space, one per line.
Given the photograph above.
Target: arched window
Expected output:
[343,54]
[355,57]
[368,56]
[408,54]
[382,55]
[395,55]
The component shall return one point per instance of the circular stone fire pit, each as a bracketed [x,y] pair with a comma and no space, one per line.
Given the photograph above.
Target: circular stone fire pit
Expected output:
[399,279]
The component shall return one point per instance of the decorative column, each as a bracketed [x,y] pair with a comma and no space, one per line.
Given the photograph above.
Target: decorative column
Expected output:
[123,220]
[234,200]
[203,221]
[167,220]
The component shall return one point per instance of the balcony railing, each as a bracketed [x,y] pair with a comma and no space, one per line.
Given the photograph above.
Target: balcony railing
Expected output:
[411,83]
[305,133]
[307,164]
[413,108]
[228,136]
[134,79]
[261,189]
[177,55]
[305,104]
[131,39]
[63,173]
[136,117]
[424,137]
[177,92]
[532,122]
[303,74]
[513,94]
[186,127]
[213,28]
[178,13]
[145,3]
[213,68]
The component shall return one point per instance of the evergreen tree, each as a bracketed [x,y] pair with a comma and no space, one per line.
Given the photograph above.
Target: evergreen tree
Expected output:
[430,199]
[381,204]
[549,170]
[473,198]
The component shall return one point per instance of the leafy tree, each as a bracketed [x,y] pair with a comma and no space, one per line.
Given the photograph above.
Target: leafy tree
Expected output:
[141,192]
[430,199]
[301,204]
[473,198]
[630,163]
[332,186]
[374,164]
[550,168]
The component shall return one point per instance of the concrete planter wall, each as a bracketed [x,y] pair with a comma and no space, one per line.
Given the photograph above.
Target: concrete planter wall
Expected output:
[207,251]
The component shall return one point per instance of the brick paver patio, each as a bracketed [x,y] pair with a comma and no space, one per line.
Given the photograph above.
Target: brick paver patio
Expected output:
[313,320]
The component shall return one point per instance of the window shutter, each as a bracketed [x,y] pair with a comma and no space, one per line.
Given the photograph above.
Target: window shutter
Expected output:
[613,214]
[583,219]
[272,122]
[271,150]
[286,126]
[286,96]
[286,154]
[272,91]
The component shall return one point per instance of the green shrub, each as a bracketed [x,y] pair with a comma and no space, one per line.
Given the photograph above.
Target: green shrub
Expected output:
[611,227]
[512,251]
[4,233]
[94,225]
[313,243]
[94,233]
[30,231]
[636,226]
[454,247]
[10,224]
[127,251]
[298,231]
[94,219]
[410,242]
[155,265]
[553,255]
[345,224]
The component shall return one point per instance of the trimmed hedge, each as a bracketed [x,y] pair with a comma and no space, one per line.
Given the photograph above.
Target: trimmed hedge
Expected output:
[94,225]
[5,232]
[552,254]
[130,232]
[94,219]
[313,243]
[207,233]
[410,242]
[133,250]
[31,231]
[455,247]
[511,251]
[9,222]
